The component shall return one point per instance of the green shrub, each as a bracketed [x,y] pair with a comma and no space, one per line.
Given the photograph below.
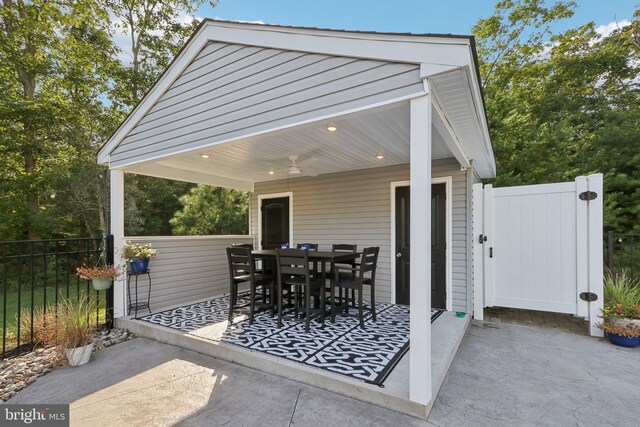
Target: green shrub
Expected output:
[621,289]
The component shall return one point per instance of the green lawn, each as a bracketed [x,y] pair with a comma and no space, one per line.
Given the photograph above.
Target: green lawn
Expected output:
[39,294]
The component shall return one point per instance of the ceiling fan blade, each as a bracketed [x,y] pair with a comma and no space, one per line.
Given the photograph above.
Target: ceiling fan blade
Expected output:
[307,162]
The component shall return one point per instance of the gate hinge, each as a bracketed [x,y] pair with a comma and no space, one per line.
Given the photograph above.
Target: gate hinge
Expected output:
[588,296]
[588,195]
[482,239]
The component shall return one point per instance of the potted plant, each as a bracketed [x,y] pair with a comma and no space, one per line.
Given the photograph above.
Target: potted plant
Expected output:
[101,276]
[621,311]
[625,336]
[138,256]
[75,328]
[69,327]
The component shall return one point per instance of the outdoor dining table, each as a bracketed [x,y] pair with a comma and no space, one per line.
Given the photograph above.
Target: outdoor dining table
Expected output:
[321,257]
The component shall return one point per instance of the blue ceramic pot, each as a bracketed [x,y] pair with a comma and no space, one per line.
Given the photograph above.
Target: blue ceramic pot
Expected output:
[139,265]
[623,341]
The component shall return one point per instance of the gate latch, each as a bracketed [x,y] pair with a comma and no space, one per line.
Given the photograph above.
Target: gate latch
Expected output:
[588,195]
[588,296]
[482,239]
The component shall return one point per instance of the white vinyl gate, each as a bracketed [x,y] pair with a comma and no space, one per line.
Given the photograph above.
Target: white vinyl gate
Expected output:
[539,247]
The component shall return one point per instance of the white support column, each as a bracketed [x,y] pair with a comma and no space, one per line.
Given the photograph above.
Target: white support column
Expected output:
[582,246]
[596,263]
[420,255]
[117,229]
[477,224]
[489,232]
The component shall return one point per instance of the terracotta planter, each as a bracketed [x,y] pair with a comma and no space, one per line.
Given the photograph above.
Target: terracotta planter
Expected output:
[80,355]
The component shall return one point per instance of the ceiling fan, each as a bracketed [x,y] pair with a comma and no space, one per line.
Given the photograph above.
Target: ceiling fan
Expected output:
[296,168]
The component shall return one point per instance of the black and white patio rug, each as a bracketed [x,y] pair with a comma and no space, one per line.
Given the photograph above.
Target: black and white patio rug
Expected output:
[344,348]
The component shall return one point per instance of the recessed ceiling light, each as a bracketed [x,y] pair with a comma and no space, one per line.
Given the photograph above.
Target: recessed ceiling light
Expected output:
[271,172]
[332,128]
[204,156]
[379,157]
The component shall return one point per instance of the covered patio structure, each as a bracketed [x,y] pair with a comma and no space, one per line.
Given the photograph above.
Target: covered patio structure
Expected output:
[364,114]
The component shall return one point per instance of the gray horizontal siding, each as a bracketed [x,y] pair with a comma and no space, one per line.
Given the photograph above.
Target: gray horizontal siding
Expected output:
[187,269]
[458,230]
[354,207]
[233,90]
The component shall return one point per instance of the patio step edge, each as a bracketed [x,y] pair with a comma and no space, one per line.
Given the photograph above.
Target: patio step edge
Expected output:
[441,370]
[290,370]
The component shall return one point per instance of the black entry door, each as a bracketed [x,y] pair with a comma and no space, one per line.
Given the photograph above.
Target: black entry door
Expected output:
[438,245]
[402,245]
[275,222]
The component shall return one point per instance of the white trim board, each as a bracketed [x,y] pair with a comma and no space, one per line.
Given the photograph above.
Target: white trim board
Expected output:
[274,130]
[261,197]
[448,181]
[442,52]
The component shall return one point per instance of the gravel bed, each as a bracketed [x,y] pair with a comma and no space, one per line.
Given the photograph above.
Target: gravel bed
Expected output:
[18,372]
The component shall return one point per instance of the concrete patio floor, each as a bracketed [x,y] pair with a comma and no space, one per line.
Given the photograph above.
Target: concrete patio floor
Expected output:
[504,374]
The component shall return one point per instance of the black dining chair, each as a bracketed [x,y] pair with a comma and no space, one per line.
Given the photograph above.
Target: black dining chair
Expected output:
[242,270]
[242,245]
[293,271]
[262,270]
[364,274]
[312,247]
[346,247]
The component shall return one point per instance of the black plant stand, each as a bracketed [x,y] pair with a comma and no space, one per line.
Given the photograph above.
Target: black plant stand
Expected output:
[137,305]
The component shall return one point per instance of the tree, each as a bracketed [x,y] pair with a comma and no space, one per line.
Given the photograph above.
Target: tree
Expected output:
[156,30]
[64,91]
[150,203]
[563,104]
[54,62]
[212,210]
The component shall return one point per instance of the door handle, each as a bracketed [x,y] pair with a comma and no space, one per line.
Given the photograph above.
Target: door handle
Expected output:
[399,255]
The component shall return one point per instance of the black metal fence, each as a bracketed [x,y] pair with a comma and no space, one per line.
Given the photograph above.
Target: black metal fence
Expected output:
[622,252]
[36,275]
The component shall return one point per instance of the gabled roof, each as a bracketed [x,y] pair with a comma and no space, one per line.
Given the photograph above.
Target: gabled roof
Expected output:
[434,54]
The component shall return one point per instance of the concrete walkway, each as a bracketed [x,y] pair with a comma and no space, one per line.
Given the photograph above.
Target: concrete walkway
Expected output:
[507,374]
[504,375]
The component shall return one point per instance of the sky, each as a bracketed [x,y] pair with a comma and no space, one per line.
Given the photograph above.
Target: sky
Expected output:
[415,16]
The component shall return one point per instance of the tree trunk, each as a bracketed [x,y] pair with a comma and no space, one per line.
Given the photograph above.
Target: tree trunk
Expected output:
[28,79]
[30,152]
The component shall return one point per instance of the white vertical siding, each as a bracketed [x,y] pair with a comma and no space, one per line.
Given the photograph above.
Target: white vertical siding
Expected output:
[187,268]
[354,207]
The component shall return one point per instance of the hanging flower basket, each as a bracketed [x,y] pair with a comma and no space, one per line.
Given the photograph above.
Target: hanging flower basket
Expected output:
[101,277]
[101,284]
